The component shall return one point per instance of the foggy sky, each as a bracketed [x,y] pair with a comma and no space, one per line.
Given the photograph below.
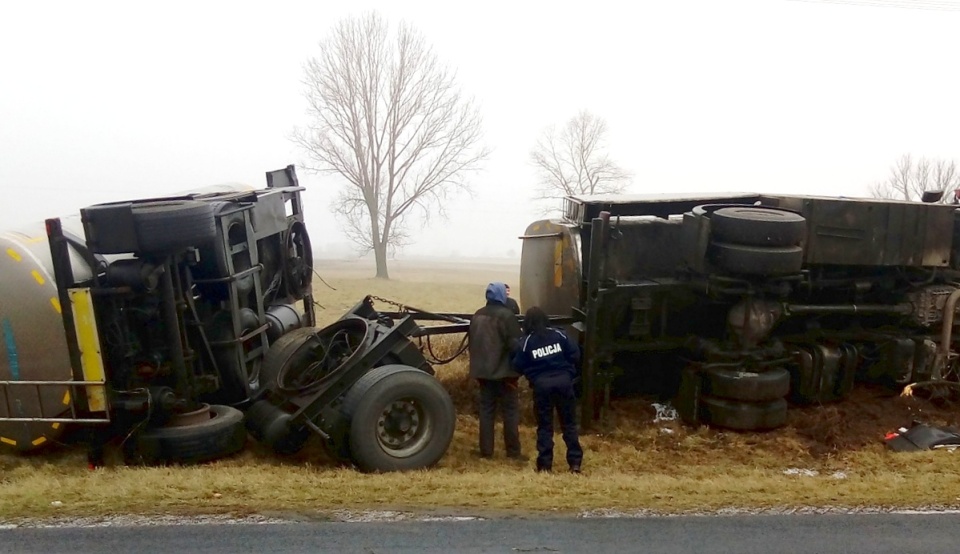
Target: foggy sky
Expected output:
[104,101]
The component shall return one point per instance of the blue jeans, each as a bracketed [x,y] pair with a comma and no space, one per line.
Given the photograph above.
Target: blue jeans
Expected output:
[556,393]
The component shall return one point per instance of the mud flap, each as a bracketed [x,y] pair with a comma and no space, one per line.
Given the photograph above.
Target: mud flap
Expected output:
[687,401]
[922,437]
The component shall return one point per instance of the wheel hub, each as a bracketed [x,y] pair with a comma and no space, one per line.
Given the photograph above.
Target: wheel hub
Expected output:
[194,417]
[398,424]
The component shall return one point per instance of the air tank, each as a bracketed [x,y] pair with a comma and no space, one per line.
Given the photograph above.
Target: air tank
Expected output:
[33,343]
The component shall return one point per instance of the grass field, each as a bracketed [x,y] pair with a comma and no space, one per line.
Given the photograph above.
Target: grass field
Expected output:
[826,456]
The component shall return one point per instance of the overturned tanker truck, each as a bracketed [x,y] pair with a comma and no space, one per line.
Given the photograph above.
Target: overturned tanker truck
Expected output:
[737,306]
[173,326]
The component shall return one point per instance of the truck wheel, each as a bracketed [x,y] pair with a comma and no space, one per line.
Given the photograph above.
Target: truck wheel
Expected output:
[743,416]
[400,419]
[314,359]
[297,260]
[170,225]
[220,435]
[756,226]
[747,386]
[758,260]
[279,352]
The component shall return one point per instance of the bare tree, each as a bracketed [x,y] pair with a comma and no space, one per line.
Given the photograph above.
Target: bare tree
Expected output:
[388,118]
[946,178]
[910,178]
[574,160]
[898,185]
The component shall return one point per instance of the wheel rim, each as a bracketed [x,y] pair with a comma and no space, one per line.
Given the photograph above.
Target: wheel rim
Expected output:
[298,259]
[194,417]
[403,428]
[328,351]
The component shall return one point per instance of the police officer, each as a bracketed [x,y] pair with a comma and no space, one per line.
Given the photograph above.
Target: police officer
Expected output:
[548,359]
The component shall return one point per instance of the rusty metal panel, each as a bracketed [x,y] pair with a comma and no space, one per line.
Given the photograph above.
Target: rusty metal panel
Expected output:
[644,248]
[841,232]
[852,231]
[582,209]
[938,237]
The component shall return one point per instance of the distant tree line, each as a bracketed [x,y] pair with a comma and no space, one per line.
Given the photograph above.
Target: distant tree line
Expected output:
[910,177]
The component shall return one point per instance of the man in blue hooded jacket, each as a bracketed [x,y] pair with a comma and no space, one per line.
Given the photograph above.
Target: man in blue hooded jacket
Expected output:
[493,332]
[548,359]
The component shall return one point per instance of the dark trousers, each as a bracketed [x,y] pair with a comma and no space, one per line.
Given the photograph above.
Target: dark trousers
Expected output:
[502,394]
[549,394]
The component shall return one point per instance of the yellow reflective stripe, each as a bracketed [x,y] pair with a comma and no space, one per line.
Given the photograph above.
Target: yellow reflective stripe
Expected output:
[66,398]
[38,441]
[88,339]
[14,254]
[558,263]
[37,277]
[55,302]
[56,425]
[5,440]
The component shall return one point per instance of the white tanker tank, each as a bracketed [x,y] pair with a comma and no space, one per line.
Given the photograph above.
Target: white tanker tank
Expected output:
[33,345]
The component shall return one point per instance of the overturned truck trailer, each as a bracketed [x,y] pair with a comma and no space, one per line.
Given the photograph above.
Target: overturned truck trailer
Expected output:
[173,326]
[737,306]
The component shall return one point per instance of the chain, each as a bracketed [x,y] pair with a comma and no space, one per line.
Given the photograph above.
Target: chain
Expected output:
[432,358]
[400,307]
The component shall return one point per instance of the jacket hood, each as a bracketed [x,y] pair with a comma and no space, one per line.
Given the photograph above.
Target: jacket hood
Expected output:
[497,292]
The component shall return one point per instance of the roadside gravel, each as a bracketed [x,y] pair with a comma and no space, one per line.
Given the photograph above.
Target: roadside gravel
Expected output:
[398,516]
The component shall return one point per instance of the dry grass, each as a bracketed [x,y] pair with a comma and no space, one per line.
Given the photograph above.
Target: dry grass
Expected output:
[632,464]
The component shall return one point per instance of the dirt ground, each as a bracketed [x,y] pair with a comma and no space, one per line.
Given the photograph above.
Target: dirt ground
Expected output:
[861,420]
[820,431]
[867,416]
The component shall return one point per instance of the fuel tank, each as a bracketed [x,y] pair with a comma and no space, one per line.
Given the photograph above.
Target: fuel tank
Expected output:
[33,346]
[550,271]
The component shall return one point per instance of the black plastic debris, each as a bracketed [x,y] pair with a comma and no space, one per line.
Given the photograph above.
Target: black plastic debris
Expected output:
[921,436]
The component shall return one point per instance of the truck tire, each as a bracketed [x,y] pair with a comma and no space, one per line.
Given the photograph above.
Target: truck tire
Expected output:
[297,260]
[313,360]
[747,386]
[279,352]
[401,419]
[222,435]
[757,226]
[743,416]
[758,260]
[171,225]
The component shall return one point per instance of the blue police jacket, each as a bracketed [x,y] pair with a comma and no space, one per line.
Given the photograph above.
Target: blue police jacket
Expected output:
[550,354]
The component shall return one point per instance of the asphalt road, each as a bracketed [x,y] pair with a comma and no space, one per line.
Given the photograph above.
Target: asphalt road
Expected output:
[848,534]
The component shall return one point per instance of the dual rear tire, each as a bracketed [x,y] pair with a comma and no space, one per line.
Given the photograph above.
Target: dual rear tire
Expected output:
[757,241]
[752,242]
[743,400]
